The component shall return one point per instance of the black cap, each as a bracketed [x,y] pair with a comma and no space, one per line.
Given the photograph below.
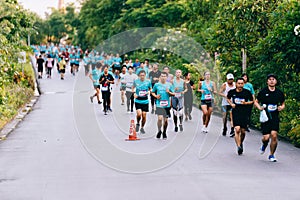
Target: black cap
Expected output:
[272,75]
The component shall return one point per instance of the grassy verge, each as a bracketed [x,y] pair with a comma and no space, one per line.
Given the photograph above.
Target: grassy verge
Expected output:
[16,94]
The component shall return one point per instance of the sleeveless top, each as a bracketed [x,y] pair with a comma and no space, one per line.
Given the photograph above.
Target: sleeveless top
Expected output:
[224,100]
[180,87]
[207,94]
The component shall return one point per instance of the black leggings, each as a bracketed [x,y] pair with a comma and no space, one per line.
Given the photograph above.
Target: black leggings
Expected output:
[106,99]
[130,99]
[49,70]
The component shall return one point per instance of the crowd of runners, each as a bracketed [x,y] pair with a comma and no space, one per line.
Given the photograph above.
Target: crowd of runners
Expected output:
[146,87]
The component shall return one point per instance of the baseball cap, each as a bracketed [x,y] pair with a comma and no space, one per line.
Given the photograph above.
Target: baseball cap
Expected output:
[272,75]
[230,76]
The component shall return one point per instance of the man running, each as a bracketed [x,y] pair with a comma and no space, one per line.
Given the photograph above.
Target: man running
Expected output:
[95,76]
[170,76]
[129,79]
[154,78]
[180,88]
[40,64]
[105,80]
[162,92]
[226,108]
[145,69]
[274,102]
[239,99]
[142,87]
[208,89]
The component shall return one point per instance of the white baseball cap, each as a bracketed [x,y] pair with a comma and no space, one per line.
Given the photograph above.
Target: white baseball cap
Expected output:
[230,76]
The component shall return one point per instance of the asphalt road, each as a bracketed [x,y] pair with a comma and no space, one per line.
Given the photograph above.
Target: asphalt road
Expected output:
[67,149]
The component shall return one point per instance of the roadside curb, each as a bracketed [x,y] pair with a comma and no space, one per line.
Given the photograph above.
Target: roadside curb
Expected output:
[12,125]
[22,112]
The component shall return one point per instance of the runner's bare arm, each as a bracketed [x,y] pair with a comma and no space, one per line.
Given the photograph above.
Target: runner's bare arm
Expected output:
[222,89]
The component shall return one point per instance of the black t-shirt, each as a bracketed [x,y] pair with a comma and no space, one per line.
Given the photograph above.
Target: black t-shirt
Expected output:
[40,62]
[272,99]
[237,97]
[152,75]
[105,85]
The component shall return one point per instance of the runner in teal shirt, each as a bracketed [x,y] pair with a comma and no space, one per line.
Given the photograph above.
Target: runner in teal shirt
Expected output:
[95,76]
[142,88]
[162,92]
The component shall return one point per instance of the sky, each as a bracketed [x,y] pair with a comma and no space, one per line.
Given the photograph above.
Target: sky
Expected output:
[41,6]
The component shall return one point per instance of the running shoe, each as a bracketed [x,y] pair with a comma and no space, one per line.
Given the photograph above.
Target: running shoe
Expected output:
[190,117]
[204,129]
[231,133]
[142,131]
[262,149]
[99,102]
[272,158]
[186,119]
[176,129]
[164,135]
[110,110]
[240,150]
[158,135]
[122,103]
[152,111]
[137,127]
[224,131]
[180,127]
[92,98]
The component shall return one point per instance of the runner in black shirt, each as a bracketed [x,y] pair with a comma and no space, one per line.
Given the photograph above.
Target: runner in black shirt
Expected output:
[238,99]
[188,97]
[154,78]
[40,64]
[105,80]
[272,100]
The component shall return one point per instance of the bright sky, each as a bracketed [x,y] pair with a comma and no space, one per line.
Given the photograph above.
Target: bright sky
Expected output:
[41,6]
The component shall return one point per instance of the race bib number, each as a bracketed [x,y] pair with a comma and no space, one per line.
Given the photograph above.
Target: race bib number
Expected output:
[77,59]
[207,97]
[104,88]
[143,93]
[238,101]
[164,103]
[272,108]
[117,63]
[178,94]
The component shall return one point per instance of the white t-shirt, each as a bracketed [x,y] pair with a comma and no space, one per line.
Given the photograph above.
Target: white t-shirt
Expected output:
[129,79]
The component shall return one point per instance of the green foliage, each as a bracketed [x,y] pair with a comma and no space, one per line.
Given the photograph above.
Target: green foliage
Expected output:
[264,28]
[15,86]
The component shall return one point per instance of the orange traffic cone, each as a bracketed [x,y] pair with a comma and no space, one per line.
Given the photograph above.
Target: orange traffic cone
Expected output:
[132,132]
